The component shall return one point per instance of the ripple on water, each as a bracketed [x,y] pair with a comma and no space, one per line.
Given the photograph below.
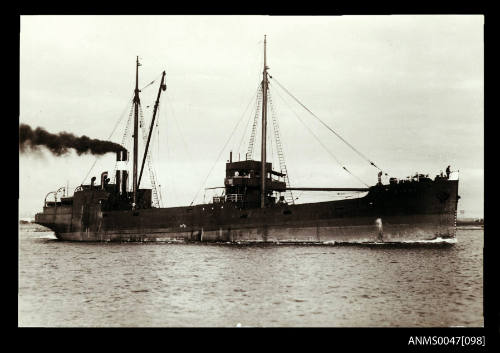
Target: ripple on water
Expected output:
[193,284]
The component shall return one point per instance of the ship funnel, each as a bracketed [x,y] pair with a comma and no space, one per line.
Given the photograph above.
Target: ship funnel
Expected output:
[124,181]
[121,181]
[121,172]
[121,155]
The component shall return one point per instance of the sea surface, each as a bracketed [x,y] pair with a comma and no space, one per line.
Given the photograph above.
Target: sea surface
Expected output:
[179,285]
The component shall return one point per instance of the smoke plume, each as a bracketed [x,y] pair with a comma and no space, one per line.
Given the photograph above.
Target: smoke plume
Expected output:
[62,142]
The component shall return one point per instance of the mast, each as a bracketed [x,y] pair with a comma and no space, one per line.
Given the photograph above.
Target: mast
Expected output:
[137,101]
[264,126]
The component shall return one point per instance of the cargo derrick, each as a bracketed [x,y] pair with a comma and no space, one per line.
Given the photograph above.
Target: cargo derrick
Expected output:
[116,196]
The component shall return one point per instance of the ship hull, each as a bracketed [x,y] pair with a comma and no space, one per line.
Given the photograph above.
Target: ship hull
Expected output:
[416,212]
[354,231]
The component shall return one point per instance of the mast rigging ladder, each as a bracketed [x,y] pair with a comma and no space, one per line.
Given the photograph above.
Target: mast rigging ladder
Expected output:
[258,103]
[281,156]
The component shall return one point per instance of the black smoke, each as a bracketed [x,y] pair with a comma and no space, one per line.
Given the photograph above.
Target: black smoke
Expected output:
[60,144]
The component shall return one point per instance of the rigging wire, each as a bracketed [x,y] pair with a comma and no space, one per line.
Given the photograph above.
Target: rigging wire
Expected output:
[152,173]
[258,59]
[324,124]
[244,130]
[270,141]
[222,150]
[112,132]
[149,84]
[171,107]
[158,128]
[158,189]
[321,143]
[170,151]
[255,97]
[171,192]
[258,108]
[279,149]
[158,149]
[124,137]
[243,136]
[115,127]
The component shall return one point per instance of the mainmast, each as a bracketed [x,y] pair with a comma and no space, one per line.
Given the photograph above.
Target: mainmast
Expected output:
[264,126]
[136,128]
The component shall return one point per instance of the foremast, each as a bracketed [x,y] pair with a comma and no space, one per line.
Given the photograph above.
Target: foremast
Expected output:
[137,101]
[264,127]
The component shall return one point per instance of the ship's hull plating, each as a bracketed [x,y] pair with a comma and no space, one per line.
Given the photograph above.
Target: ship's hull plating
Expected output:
[422,211]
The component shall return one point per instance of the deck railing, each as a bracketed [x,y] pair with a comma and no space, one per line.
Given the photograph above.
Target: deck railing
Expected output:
[234,197]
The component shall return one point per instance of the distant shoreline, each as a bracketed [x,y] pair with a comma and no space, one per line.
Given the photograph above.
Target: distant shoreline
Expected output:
[477,222]
[470,228]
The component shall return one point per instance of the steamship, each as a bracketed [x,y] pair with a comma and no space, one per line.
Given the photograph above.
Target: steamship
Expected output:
[252,207]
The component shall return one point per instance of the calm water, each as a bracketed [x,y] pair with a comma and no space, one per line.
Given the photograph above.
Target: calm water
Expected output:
[77,284]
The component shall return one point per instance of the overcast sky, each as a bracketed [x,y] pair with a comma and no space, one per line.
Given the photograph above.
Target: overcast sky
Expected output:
[407,91]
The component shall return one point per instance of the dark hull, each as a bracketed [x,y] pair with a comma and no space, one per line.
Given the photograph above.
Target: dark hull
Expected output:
[388,213]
